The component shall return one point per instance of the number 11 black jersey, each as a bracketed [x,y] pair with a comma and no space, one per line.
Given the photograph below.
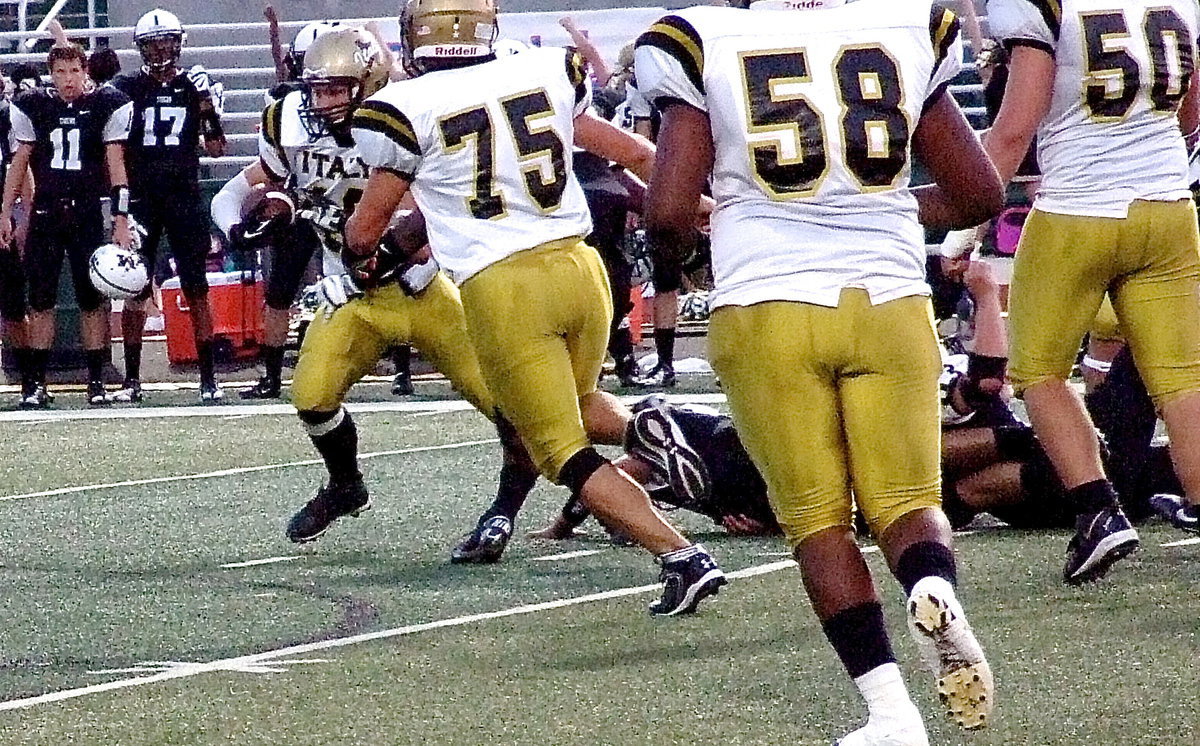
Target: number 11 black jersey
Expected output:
[69,140]
[812,115]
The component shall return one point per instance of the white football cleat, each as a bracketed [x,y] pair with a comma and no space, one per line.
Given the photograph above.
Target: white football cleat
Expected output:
[949,649]
[897,730]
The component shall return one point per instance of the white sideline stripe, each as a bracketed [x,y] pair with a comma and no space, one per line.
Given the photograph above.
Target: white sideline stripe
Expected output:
[251,410]
[1183,543]
[230,664]
[234,472]
[253,563]
[221,410]
[566,555]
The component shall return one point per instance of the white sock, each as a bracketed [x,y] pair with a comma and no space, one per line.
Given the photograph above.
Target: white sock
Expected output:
[681,554]
[883,689]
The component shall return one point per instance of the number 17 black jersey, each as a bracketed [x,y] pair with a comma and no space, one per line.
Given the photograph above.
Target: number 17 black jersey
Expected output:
[164,139]
[812,116]
[69,140]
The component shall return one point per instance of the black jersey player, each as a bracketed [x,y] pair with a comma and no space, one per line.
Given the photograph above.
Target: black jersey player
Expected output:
[172,112]
[72,140]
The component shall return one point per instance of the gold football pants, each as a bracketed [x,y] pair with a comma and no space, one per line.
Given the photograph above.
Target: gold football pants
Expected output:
[1148,263]
[539,320]
[837,406]
[340,349]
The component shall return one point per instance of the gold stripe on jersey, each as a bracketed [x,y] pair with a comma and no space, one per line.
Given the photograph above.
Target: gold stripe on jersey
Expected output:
[386,119]
[272,126]
[679,39]
[1051,11]
[944,28]
[577,73]
[272,123]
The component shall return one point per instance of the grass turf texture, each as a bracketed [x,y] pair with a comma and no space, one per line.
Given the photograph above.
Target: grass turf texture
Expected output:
[116,578]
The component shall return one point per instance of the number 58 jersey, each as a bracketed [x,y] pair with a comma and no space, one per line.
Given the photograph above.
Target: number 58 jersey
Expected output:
[1122,68]
[812,116]
[486,148]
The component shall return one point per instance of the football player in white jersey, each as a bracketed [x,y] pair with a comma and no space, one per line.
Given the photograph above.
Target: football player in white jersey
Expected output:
[484,145]
[807,116]
[1109,89]
[306,144]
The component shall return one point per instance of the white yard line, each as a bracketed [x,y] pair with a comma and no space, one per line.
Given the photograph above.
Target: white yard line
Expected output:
[258,410]
[234,472]
[1184,542]
[181,671]
[566,555]
[255,563]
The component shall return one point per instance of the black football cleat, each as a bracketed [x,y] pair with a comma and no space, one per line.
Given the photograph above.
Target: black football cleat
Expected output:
[1177,512]
[130,392]
[662,377]
[1101,539]
[485,544]
[96,395]
[210,392]
[268,387]
[332,502]
[655,437]
[35,396]
[687,582]
[402,385]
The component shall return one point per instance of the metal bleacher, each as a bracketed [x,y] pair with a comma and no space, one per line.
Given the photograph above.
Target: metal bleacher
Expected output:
[238,55]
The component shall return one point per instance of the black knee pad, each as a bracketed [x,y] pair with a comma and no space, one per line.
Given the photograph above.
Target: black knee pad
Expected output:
[580,468]
[311,417]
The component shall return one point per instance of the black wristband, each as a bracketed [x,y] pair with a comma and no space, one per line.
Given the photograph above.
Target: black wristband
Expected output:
[210,126]
[980,367]
[120,200]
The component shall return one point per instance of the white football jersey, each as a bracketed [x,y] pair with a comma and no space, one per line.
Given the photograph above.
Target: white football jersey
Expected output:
[1122,66]
[487,149]
[812,115]
[328,175]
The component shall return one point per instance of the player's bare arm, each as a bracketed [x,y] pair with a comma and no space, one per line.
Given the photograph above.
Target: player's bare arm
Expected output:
[1026,102]
[966,189]
[610,142]
[14,184]
[114,157]
[385,191]
[684,161]
[1189,113]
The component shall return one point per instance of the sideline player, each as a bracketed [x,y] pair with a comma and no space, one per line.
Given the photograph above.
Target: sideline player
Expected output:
[173,113]
[809,119]
[1113,215]
[72,140]
[484,145]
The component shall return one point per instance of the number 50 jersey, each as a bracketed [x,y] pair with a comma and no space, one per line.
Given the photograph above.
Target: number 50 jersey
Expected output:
[812,116]
[1122,68]
[487,150]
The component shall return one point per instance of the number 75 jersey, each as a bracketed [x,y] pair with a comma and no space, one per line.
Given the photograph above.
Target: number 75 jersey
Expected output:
[812,116]
[1122,68]
[487,149]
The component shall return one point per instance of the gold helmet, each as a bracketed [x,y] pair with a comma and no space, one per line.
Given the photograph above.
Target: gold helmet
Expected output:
[446,29]
[342,56]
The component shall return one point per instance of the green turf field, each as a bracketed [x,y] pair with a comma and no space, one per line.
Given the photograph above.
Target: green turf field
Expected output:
[339,642]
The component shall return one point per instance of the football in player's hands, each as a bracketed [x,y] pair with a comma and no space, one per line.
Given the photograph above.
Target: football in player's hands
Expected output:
[265,211]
